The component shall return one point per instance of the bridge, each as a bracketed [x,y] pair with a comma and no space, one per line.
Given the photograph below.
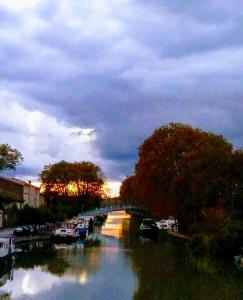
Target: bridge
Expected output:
[131,209]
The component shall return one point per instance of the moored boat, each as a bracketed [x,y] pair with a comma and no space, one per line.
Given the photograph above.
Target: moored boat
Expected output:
[67,233]
[148,228]
[238,259]
[82,229]
[6,247]
[167,224]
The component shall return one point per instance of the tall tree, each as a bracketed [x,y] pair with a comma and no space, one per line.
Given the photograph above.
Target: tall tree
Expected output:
[182,170]
[9,157]
[81,181]
[237,182]
[128,190]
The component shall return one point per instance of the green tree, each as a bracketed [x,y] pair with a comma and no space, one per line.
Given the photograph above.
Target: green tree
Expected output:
[9,157]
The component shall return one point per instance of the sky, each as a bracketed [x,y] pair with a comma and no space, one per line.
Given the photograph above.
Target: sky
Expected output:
[90,80]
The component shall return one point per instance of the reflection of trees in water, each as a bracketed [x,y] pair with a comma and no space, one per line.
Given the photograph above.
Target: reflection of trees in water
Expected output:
[81,261]
[69,260]
[5,296]
[131,236]
[6,273]
[6,267]
[166,271]
[57,266]
[40,254]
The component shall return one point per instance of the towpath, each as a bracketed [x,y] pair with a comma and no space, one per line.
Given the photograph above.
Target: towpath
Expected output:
[178,234]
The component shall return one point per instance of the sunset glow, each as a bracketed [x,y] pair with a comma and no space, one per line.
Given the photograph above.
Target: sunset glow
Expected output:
[112,188]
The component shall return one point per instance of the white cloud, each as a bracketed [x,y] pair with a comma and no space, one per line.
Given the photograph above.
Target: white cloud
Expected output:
[41,138]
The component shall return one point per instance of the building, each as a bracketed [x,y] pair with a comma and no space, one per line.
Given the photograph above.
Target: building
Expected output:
[13,190]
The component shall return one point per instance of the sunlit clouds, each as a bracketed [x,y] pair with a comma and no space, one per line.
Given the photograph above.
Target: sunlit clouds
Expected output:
[41,138]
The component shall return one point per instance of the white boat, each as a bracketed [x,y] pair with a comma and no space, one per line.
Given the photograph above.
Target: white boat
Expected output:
[6,247]
[66,233]
[166,224]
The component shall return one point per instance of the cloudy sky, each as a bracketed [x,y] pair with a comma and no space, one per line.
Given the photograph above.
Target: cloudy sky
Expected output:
[90,79]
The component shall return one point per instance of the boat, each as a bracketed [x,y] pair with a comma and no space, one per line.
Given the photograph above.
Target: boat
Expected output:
[82,229]
[6,248]
[238,259]
[165,224]
[148,228]
[99,220]
[67,233]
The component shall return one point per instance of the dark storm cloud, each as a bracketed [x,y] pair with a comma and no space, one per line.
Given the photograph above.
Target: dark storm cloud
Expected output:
[124,68]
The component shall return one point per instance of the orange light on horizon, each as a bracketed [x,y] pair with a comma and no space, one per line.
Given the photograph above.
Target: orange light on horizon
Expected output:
[109,188]
[112,188]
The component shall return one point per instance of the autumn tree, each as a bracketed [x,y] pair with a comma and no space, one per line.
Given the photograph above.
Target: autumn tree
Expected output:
[80,182]
[128,191]
[237,182]
[181,171]
[9,157]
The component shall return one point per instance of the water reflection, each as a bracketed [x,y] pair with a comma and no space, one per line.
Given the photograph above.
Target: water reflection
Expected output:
[167,271]
[115,224]
[48,271]
[6,273]
[122,267]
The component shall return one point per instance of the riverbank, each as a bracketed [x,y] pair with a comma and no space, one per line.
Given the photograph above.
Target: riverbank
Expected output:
[178,234]
[8,232]
[34,238]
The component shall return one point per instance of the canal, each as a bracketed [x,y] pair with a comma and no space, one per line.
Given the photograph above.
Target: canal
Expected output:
[117,264]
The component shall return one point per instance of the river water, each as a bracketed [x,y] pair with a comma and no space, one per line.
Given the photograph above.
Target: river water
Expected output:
[118,265]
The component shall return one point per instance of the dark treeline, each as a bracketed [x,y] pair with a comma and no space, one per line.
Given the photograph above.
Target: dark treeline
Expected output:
[193,175]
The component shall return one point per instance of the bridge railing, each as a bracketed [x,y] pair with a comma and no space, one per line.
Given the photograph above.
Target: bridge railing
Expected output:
[106,209]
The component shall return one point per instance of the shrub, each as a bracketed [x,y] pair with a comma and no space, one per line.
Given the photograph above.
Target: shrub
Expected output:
[225,243]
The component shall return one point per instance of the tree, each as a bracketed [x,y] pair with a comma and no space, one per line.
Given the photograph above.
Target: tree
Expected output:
[9,157]
[128,190]
[182,170]
[237,182]
[81,182]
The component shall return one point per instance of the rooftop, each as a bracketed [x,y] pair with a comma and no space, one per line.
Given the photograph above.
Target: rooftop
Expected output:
[17,181]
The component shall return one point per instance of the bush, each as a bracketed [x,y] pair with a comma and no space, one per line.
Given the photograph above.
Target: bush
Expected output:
[229,240]
[200,243]
[225,243]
